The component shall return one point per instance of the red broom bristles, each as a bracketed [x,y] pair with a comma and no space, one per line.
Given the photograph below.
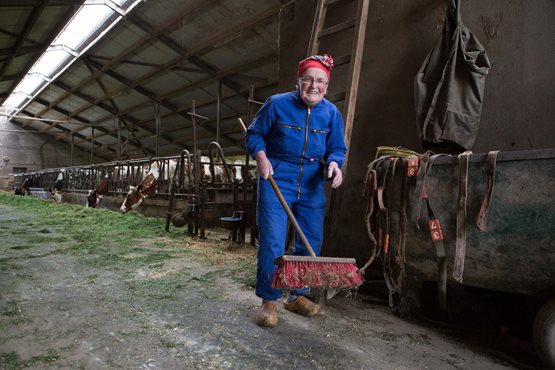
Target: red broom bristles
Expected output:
[300,274]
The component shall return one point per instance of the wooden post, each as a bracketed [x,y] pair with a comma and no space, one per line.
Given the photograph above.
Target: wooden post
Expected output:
[357,50]
[319,17]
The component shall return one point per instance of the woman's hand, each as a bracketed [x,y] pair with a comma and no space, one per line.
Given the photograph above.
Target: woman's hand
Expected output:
[335,174]
[263,166]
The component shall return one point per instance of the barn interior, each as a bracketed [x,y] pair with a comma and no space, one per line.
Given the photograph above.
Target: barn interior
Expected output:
[163,80]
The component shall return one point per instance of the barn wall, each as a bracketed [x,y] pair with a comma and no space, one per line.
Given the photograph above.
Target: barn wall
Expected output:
[33,152]
[518,110]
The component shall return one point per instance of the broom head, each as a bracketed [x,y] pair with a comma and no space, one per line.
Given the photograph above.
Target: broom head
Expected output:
[316,272]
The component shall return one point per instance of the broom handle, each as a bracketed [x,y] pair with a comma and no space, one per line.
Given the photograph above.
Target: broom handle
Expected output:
[303,238]
[286,208]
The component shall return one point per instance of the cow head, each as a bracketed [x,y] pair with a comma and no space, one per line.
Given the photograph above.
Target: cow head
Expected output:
[136,195]
[205,172]
[132,200]
[93,199]
[95,195]
[56,195]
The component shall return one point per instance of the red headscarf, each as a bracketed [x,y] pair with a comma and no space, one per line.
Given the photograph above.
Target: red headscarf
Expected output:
[324,62]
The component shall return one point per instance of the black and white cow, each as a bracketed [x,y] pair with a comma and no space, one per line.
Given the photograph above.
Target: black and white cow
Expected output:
[58,187]
[24,188]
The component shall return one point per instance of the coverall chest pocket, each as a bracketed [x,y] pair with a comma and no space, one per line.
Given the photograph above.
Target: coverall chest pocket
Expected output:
[318,136]
[291,137]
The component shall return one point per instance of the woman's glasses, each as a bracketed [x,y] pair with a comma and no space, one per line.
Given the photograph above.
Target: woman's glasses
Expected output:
[306,80]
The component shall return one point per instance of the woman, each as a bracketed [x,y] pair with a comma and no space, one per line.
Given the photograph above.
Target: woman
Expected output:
[296,137]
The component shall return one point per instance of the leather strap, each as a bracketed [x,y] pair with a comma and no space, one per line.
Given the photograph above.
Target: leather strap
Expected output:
[375,202]
[437,240]
[486,203]
[460,246]
[440,253]
[420,180]
[403,218]
[389,248]
[370,187]
[383,231]
[383,217]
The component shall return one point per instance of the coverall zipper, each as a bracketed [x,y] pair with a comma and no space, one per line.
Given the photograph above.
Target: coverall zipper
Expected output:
[289,126]
[319,131]
[302,155]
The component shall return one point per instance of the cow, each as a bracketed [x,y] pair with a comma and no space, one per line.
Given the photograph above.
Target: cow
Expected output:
[240,172]
[24,188]
[237,170]
[58,187]
[136,194]
[219,171]
[149,184]
[95,195]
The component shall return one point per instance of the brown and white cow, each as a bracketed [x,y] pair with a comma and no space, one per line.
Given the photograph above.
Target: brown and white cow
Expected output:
[137,194]
[95,195]
[148,186]
[219,175]
[240,172]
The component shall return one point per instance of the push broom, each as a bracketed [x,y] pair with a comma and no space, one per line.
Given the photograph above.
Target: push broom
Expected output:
[311,271]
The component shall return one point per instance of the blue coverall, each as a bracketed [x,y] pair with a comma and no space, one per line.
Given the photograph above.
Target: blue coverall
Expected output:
[299,142]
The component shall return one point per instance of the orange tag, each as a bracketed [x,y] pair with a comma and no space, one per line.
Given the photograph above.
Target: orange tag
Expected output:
[412,166]
[386,243]
[435,230]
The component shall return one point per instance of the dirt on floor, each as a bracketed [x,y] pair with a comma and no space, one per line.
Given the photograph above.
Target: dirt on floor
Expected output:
[80,290]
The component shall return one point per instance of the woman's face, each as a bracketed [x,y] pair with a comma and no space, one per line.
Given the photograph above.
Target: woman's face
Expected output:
[313,85]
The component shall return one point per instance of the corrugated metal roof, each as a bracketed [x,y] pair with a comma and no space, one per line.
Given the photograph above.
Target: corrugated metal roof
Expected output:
[166,53]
